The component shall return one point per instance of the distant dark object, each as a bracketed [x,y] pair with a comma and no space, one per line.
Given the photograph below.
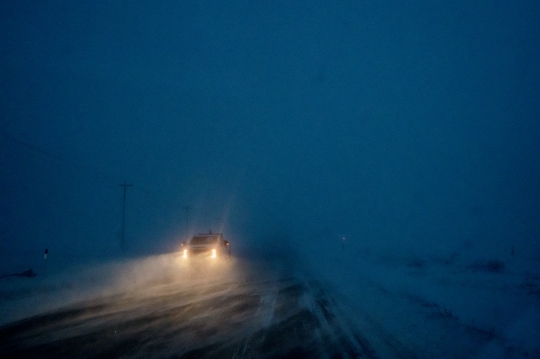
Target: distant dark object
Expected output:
[445,313]
[488,334]
[493,266]
[27,273]
[416,262]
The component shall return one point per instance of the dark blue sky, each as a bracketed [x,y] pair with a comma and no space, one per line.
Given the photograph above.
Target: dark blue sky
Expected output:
[413,125]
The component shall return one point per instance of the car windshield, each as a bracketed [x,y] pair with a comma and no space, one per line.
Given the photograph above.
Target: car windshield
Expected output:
[204,240]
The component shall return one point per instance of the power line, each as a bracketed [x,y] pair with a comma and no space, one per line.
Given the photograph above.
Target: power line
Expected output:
[15,143]
[48,154]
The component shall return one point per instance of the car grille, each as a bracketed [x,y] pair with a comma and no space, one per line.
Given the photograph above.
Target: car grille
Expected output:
[199,250]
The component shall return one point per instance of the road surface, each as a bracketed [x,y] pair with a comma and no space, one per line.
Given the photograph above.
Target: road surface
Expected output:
[234,309]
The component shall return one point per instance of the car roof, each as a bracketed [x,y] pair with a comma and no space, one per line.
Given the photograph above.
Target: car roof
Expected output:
[209,235]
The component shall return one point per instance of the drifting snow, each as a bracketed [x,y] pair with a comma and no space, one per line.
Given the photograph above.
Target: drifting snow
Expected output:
[385,303]
[441,307]
[60,284]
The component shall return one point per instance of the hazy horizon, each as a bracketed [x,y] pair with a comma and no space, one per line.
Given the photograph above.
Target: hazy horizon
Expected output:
[413,126]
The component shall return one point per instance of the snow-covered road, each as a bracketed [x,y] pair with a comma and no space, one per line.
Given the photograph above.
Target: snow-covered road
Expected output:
[334,305]
[231,310]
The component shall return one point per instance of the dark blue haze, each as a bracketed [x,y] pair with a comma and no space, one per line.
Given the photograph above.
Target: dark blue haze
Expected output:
[413,125]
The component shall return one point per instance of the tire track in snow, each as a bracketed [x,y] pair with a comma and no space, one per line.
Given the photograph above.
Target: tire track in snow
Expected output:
[340,336]
[374,342]
[264,315]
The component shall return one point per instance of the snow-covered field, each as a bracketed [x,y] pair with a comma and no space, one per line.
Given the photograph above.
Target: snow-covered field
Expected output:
[452,306]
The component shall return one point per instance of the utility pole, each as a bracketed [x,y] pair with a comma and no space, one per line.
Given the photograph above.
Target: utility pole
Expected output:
[125,185]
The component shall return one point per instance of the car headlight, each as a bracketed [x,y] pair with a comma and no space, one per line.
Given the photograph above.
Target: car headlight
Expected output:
[185,253]
[213,253]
